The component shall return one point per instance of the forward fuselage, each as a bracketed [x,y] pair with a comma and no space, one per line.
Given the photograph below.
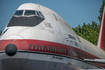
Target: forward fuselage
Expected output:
[44,41]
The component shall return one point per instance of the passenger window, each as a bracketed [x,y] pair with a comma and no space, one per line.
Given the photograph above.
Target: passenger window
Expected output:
[29,12]
[59,50]
[65,51]
[70,52]
[45,48]
[42,47]
[31,46]
[48,48]
[35,46]
[39,47]
[55,49]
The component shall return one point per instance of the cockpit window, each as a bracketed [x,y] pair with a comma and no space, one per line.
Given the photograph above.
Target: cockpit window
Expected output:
[19,12]
[38,13]
[41,14]
[29,12]
[28,18]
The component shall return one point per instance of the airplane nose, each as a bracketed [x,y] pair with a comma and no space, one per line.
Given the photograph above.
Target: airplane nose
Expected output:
[11,49]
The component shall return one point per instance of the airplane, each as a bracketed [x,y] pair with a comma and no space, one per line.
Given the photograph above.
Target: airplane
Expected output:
[37,38]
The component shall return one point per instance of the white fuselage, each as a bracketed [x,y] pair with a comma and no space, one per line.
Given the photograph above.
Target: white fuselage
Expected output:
[51,41]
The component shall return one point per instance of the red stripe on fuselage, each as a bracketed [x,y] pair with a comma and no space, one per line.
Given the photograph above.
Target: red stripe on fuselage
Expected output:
[25,44]
[20,43]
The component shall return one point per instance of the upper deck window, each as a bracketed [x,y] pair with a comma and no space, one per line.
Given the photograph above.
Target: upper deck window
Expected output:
[76,44]
[72,37]
[19,12]
[30,12]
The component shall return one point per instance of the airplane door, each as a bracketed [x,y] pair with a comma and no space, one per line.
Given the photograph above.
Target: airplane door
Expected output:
[68,47]
[69,50]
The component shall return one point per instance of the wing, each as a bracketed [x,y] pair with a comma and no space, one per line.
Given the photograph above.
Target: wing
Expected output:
[102,61]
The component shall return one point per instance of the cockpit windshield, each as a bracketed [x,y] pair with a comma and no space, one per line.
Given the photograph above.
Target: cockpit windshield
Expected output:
[26,18]
[19,12]
[30,12]
[26,13]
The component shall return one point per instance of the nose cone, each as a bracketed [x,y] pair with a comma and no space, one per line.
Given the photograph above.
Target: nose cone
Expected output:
[11,49]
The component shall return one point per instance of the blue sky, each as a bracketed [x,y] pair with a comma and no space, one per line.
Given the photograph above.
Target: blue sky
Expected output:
[74,12]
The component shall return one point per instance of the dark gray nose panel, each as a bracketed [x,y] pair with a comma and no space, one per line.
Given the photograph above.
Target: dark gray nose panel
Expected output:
[11,49]
[25,21]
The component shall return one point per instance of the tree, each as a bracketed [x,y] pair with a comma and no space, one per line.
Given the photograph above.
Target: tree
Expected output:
[101,13]
[89,31]
[0,32]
